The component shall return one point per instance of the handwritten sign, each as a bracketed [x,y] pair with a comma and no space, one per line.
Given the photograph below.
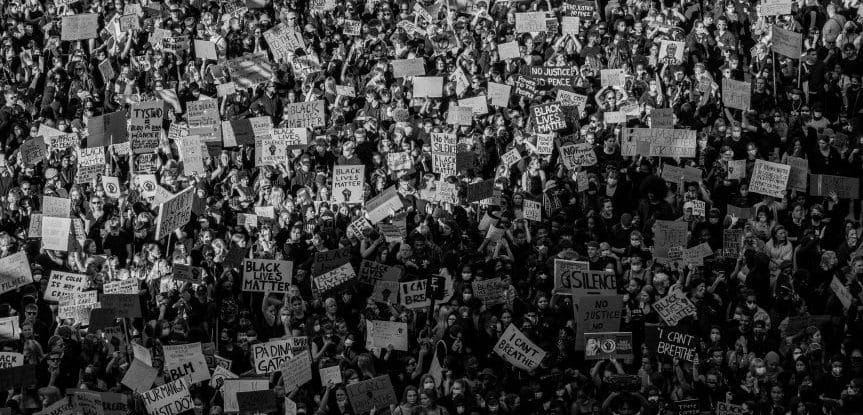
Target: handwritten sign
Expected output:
[14,272]
[408,67]
[373,393]
[169,399]
[676,344]
[574,279]
[264,275]
[548,117]
[786,42]
[174,213]
[382,334]
[530,22]
[769,178]
[845,187]
[674,307]
[594,314]
[518,350]
[185,361]
[79,27]
[335,279]
[348,183]
[578,155]
[736,94]
[612,77]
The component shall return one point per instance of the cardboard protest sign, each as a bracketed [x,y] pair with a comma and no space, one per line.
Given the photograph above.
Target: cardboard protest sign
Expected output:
[283,42]
[62,142]
[499,94]
[174,213]
[79,27]
[687,407]
[257,402]
[305,114]
[10,328]
[297,371]
[231,387]
[696,254]
[732,241]
[736,94]
[247,71]
[662,118]
[169,399]
[145,126]
[553,76]
[479,104]
[373,393]
[842,292]
[33,151]
[217,379]
[271,356]
[185,361]
[575,278]
[427,87]
[348,183]
[480,190]
[382,334]
[786,42]
[77,306]
[671,52]
[380,206]
[670,233]
[408,67]
[548,117]
[676,344]
[330,375]
[775,8]
[123,305]
[660,142]
[11,359]
[14,272]
[204,49]
[56,233]
[525,86]
[129,22]
[203,117]
[798,179]
[612,77]
[544,144]
[88,403]
[570,25]
[740,212]
[530,22]
[58,207]
[508,50]
[265,275]
[584,9]
[608,345]
[578,155]
[674,307]
[128,286]
[371,272]
[532,210]
[491,291]
[769,178]
[239,132]
[572,99]
[335,279]
[352,27]
[594,314]
[845,187]
[518,350]
[61,407]
[329,260]
[412,294]
[459,116]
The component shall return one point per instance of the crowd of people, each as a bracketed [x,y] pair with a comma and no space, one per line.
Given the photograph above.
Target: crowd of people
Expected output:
[773,305]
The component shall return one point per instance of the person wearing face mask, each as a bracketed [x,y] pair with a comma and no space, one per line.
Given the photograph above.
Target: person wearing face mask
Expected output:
[835,381]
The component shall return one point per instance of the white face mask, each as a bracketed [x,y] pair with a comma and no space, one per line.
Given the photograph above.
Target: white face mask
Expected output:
[349,343]
[761,371]
[636,268]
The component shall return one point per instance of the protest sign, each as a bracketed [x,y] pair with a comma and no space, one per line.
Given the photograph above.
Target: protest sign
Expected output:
[358,228]
[659,142]
[824,184]
[123,305]
[775,8]
[291,138]
[769,178]
[34,230]
[608,345]
[256,402]
[205,49]
[169,399]
[508,50]
[87,402]
[670,233]
[548,117]
[662,118]
[480,190]
[553,76]
[798,179]
[10,328]
[575,278]
[372,393]
[297,371]
[740,212]
[217,379]
[479,105]
[570,25]
[241,132]
[736,169]
[696,254]
[351,27]
[174,213]
[77,306]
[687,407]
[490,292]
[518,350]
[335,279]
[56,233]
[203,117]
[408,67]
[399,160]
[736,94]
[525,86]
[79,27]
[612,77]
[594,314]
[345,91]
[412,294]
[11,359]
[185,361]
[329,260]
[382,334]
[305,114]
[33,151]
[107,70]
[14,272]
[584,9]
[61,407]
[499,94]
[614,117]
[544,143]
[578,155]
[380,206]
[671,52]
[674,307]
[62,142]
[224,90]
[145,126]
[532,210]
[786,42]
[842,292]
[386,291]
[265,275]
[190,149]
[732,240]
[271,356]
[247,71]
[725,408]
[330,375]
[58,207]
[427,87]
[283,42]
[676,344]
[459,116]
[371,272]
[530,22]
[142,354]
[128,286]
[104,130]
[231,387]
[348,183]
